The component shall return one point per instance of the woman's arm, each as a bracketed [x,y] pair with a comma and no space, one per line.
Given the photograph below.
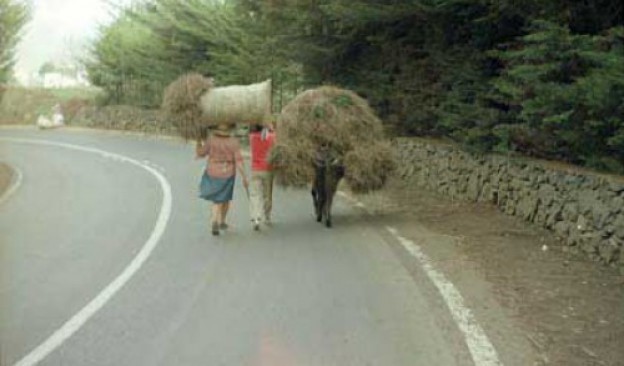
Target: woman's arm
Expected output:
[241,169]
[240,165]
[201,148]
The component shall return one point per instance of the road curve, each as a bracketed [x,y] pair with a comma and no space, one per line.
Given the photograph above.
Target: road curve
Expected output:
[297,294]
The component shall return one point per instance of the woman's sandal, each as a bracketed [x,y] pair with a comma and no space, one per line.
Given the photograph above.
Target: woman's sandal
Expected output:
[215,228]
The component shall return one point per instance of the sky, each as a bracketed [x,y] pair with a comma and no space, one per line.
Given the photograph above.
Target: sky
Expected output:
[59,31]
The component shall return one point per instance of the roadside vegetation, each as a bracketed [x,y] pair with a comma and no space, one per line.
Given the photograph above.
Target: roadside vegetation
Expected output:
[545,80]
[522,77]
[13,16]
[6,175]
[24,105]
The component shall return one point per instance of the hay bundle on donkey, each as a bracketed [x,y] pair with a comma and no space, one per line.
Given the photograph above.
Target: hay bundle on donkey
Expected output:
[369,166]
[292,162]
[340,121]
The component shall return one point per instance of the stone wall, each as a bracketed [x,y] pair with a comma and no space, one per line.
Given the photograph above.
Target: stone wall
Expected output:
[585,209]
[121,117]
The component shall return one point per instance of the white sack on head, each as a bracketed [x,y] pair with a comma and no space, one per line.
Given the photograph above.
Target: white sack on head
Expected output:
[238,104]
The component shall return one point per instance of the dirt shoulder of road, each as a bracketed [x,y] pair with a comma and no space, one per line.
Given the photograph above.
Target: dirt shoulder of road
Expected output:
[6,176]
[530,294]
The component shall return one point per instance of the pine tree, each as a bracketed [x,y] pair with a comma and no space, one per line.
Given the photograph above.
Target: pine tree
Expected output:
[567,93]
[13,16]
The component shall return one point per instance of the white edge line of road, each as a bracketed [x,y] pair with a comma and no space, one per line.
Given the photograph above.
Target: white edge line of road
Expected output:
[71,326]
[17,182]
[481,349]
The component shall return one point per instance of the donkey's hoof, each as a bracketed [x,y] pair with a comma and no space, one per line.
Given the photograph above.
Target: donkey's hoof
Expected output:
[328,224]
[319,219]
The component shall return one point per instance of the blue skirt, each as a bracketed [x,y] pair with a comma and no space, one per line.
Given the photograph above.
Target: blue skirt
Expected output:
[217,190]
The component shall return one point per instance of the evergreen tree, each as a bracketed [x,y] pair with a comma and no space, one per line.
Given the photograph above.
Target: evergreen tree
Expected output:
[566,94]
[13,16]
[484,73]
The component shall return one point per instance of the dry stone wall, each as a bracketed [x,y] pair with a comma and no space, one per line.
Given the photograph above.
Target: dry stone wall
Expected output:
[121,117]
[583,208]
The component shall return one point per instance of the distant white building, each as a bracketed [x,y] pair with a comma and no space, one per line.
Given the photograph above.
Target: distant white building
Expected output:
[56,80]
[56,77]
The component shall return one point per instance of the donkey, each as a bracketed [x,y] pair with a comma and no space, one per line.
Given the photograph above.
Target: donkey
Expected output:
[328,170]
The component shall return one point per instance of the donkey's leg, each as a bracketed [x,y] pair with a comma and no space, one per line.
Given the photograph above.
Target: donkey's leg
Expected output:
[331,187]
[320,188]
[322,202]
[317,207]
[328,207]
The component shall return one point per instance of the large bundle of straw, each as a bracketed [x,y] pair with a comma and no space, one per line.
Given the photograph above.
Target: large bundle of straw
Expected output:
[293,163]
[340,120]
[238,104]
[369,166]
[181,103]
[193,105]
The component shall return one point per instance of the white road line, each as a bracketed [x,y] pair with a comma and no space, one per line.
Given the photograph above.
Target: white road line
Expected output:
[17,182]
[481,349]
[79,319]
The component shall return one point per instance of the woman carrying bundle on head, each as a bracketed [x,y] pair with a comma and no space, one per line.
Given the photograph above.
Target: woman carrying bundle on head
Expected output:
[224,157]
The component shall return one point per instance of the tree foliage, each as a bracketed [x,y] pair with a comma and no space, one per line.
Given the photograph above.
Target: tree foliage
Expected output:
[540,78]
[568,94]
[13,16]
[152,44]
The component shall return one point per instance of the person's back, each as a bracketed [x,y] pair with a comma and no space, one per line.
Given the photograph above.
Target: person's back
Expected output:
[223,154]
[217,183]
[260,142]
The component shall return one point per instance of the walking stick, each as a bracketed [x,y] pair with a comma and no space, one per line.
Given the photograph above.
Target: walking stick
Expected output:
[246,186]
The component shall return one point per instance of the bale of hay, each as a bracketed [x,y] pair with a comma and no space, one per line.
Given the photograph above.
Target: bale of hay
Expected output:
[368,167]
[338,119]
[294,166]
[181,104]
[238,104]
[330,116]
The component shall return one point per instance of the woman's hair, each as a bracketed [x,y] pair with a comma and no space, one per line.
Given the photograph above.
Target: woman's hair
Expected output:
[255,128]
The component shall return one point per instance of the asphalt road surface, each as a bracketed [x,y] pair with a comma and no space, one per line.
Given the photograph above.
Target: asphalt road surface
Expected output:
[297,294]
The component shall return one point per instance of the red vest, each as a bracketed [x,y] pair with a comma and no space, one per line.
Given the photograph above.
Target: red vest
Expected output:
[260,150]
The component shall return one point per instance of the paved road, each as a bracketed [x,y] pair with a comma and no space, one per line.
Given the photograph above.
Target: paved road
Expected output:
[298,294]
